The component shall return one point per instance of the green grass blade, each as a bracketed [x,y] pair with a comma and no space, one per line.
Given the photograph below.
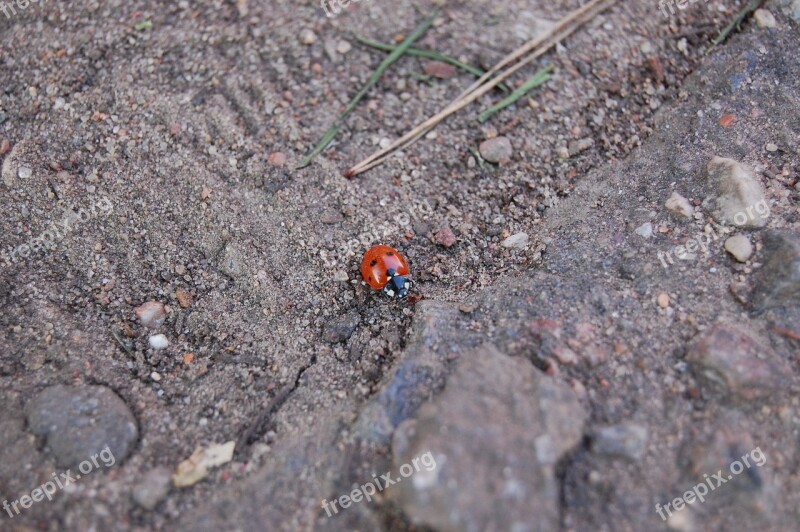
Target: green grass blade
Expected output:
[385,64]
[326,139]
[540,78]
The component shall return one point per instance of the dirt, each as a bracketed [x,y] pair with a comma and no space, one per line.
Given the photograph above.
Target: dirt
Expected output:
[155,163]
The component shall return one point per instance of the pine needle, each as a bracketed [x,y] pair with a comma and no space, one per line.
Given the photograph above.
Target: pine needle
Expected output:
[526,54]
[385,64]
[538,79]
[428,54]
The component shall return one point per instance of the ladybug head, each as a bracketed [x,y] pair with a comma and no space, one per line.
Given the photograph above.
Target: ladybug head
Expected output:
[398,285]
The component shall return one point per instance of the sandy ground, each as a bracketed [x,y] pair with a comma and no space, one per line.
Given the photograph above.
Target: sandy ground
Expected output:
[148,155]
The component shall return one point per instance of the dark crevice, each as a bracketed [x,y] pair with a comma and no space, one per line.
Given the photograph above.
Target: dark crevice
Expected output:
[256,430]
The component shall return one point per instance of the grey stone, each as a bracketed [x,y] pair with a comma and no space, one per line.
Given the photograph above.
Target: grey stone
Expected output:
[740,247]
[679,204]
[80,421]
[495,434]
[152,488]
[729,362]
[740,197]
[340,328]
[645,230]
[627,440]
[496,150]
[778,281]
[518,241]
[579,146]
[151,314]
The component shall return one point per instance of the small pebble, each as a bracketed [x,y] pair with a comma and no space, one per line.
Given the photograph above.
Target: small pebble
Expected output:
[645,230]
[518,241]
[277,158]
[343,47]
[772,147]
[308,37]
[740,247]
[184,297]
[764,19]
[580,146]
[151,314]
[24,172]
[663,300]
[5,147]
[156,376]
[158,341]
[496,150]
[445,237]
[152,488]
[679,204]
[437,69]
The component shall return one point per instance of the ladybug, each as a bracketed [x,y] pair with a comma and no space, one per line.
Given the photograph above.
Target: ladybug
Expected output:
[384,268]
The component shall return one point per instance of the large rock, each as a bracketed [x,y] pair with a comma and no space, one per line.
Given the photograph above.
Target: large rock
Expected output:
[730,362]
[740,197]
[778,282]
[80,421]
[496,433]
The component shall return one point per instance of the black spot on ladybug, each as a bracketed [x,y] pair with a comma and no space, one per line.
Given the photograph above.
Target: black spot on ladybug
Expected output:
[374,262]
[389,254]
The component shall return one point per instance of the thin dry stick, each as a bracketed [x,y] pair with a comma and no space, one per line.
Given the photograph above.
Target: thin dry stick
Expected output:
[561,31]
[577,16]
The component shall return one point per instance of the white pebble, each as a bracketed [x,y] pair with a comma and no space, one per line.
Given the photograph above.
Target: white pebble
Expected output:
[158,341]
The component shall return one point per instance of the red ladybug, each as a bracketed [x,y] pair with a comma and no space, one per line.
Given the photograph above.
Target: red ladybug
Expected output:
[384,268]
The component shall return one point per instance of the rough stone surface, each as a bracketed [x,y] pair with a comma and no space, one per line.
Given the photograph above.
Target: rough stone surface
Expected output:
[80,421]
[499,428]
[732,363]
[778,282]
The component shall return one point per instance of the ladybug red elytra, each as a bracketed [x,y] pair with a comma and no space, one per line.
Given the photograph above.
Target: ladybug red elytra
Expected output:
[384,268]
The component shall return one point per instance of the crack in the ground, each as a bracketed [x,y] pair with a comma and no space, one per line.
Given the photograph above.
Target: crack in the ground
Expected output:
[259,425]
